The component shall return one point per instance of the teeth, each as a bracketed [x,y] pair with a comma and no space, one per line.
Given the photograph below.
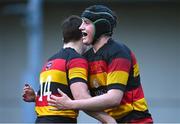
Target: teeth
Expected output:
[84,34]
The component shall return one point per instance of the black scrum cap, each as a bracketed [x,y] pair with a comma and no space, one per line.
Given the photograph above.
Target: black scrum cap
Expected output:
[103,19]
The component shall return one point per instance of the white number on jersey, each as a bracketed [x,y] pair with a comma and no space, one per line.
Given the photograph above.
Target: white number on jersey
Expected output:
[46,90]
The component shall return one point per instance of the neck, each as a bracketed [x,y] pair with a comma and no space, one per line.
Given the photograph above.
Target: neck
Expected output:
[77,46]
[101,41]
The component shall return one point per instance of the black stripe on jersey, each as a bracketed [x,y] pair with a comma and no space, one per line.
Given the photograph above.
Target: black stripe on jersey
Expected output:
[55,119]
[67,54]
[62,54]
[103,89]
[133,82]
[108,52]
[98,91]
[117,50]
[134,115]
[54,86]
[117,86]
[74,80]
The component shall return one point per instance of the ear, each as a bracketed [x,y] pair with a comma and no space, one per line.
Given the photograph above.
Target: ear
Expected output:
[102,26]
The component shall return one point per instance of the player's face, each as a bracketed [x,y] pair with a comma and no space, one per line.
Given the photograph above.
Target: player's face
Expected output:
[88,30]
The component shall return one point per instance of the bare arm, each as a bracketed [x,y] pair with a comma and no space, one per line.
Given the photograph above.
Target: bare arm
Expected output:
[84,94]
[102,117]
[111,99]
[80,91]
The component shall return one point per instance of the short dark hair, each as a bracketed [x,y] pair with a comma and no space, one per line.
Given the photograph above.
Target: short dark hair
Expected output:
[70,28]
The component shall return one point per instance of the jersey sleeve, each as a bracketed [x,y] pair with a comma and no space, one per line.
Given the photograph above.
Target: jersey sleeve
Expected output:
[118,72]
[78,70]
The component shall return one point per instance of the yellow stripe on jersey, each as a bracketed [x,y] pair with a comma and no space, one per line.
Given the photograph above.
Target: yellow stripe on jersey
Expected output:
[119,112]
[53,76]
[122,110]
[78,73]
[136,70]
[45,110]
[117,77]
[140,105]
[98,80]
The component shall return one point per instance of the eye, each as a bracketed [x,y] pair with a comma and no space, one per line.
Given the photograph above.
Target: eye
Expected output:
[86,21]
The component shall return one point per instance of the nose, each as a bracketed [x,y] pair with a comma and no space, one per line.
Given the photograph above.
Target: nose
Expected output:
[81,26]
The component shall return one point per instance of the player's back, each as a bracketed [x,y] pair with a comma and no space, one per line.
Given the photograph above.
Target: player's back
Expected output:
[56,73]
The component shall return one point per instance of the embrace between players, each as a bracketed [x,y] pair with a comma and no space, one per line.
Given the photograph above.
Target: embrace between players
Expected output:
[103,81]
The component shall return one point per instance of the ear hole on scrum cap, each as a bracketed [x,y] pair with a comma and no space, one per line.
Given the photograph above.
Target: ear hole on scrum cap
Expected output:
[102,26]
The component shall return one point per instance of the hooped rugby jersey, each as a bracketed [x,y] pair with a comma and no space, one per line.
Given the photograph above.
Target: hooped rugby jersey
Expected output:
[114,66]
[60,71]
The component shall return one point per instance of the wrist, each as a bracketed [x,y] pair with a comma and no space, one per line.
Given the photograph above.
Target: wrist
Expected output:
[74,105]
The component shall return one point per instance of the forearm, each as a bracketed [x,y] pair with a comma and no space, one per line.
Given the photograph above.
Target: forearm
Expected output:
[84,94]
[92,104]
[99,103]
[103,117]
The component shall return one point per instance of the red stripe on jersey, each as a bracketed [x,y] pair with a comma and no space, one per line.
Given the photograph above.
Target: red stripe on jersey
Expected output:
[78,62]
[142,120]
[133,95]
[97,67]
[119,64]
[56,64]
[44,100]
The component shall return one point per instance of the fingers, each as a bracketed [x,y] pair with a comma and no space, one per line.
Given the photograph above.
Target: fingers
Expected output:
[54,109]
[52,104]
[26,90]
[60,92]
[51,101]
[53,97]
[57,107]
[26,86]
[24,97]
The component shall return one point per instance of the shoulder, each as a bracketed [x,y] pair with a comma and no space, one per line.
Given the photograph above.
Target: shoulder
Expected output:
[75,59]
[72,54]
[67,54]
[115,46]
[117,50]
[57,55]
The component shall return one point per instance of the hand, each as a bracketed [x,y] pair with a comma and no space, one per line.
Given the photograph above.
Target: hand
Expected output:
[28,93]
[60,103]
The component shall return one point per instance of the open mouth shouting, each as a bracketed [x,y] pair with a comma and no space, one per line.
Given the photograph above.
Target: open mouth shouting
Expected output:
[84,34]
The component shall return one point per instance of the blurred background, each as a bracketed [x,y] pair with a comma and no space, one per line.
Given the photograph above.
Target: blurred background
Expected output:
[30,32]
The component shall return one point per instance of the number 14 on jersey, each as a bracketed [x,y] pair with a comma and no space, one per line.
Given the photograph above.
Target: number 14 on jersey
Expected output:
[45,91]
